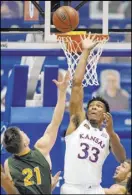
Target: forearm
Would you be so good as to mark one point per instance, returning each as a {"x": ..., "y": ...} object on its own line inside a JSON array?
[
  {"x": 117, "y": 148},
  {"x": 81, "y": 67},
  {"x": 47, "y": 141},
  {"x": 59, "y": 109}
]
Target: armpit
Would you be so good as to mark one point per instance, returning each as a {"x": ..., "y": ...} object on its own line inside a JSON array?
[{"x": 76, "y": 120}]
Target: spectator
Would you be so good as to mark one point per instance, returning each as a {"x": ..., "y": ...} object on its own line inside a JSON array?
[
  {"x": 11, "y": 9},
  {"x": 96, "y": 8},
  {"x": 121, "y": 177},
  {"x": 110, "y": 90}
]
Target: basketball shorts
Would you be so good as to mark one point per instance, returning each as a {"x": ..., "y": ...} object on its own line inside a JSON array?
[{"x": 81, "y": 189}]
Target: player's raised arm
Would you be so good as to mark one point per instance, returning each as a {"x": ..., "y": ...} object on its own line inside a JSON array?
[
  {"x": 46, "y": 142},
  {"x": 77, "y": 113},
  {"x": 117, "y": 148},
  {"x": 76, "y": 100}
]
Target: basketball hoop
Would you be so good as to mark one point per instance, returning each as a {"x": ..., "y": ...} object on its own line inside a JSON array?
[{"x": 72, "y": 47}]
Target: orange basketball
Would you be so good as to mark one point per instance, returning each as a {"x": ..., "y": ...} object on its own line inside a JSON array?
[{"x": 65, "y": 19}]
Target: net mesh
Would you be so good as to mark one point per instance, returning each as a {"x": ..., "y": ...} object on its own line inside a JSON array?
[{"x": 73, "y": 49}]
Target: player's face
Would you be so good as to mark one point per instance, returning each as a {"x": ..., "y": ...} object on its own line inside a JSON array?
[
  {"x": 122, "y": 171},
  {"x": 25, "y": 138},
  {"x": 96, "y": 110}
]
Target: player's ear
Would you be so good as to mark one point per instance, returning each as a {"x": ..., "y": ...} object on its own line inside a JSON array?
[{"x": 25, "y": 143}]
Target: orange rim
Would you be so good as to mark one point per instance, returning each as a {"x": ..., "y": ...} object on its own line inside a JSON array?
[{"x": 77, "y": 40}]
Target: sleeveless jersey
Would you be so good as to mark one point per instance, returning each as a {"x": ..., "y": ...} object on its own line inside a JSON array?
[
  {"x": 86, "y": 151},
  {"x": 30, "y": 173}
]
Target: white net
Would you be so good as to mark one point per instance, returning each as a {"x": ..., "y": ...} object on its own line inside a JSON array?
[{"x": 73, "y": 50}]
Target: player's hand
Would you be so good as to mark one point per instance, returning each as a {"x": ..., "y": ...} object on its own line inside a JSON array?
[
  {"x": 4, "y": 177},
  {"x": 55, "y": 180},
  {"x": 108, "y": 123},
  {"x": 62, "y": 85},
  {"x": 89, "y": 42}
]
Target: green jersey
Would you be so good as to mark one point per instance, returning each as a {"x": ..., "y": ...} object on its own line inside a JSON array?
[{"x": 30, "y": 173}]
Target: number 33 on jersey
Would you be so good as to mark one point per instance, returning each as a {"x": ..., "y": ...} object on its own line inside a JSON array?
[{"x": 86, "y": 151}]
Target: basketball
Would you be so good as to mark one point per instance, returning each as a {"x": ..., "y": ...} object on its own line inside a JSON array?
[{"x": 65, "y": 19}]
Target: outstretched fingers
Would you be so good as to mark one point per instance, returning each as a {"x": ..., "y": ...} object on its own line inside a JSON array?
[
  {"x": 89, "y": 35},
  {"x": 67, "y": 76},
  {"x": 55, "y": 81}
]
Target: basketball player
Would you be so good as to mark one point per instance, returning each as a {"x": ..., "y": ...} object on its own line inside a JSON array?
[
  {"x": 9, "y": 187},
  {"x": 30, "y": 169},
  {"x": 121, "y": 176},
  {"x": 87, "y": 142},
  {"x": 122, "y": 172}
]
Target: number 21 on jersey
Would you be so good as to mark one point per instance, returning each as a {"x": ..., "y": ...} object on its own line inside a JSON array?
[{"x": 29, "y": 174}]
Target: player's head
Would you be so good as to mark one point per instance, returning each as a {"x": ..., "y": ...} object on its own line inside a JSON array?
[
  {"x": 15, "y": 140},
  {"x": 123, "y": 171},
  {"x": 96, "y": 108}
]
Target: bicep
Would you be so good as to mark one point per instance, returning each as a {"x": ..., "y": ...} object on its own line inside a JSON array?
[
  {"x": 47, "y": 141},
  {"x": 76, "y": 100},
  {"x": 43, "y": 144}
]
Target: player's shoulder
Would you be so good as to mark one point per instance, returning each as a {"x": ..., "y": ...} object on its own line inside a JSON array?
[
  {"x": 75, "y": 124},
  {"x": 37, "y": 153},
  {"x": 9, "y": 161}
]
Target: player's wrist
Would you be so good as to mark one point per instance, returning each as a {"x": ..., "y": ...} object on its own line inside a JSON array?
[
  {"x": 61, "y": 94},
  {"x": 62, "y": 91}
]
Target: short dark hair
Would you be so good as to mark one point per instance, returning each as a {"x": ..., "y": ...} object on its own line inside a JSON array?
[
  {"x": 100, "y": 99},
  {"x": 128, "y": 185},
  {"x": 12, "y": 140},
  {"x": 128, "y": 160}
]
